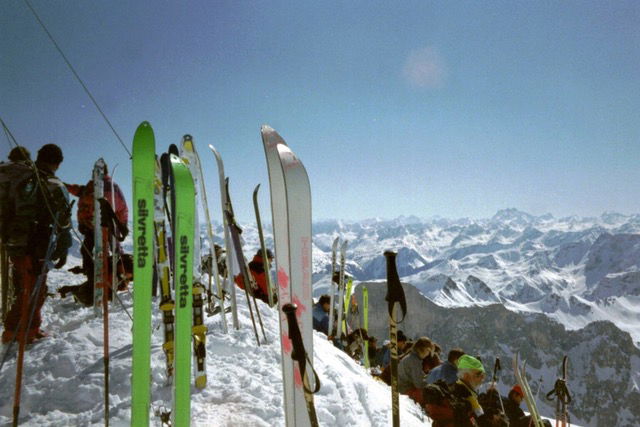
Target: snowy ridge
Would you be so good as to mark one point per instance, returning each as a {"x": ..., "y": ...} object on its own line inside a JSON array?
[{"x": 63, "y": 374}]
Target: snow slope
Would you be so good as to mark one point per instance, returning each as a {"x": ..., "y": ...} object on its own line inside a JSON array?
[{"x": 63, "y": 374}]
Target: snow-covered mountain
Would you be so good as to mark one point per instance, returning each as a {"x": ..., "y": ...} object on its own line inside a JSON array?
[{"x": 574, "y": 270}]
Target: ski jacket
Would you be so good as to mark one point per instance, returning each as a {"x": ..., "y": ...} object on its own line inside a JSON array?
[
  {"x": 447, "y": 372},
  {"x": 84, "y": 193},
  {"x": 31, "y": 199},
  {"x": 256, "y": 267},
  {"x": 320, "y": 319},
  {"x": 516, "y": 415},
  {"x": 410, "y": 373}
]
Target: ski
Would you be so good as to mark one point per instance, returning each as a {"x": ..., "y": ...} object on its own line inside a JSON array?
[
  {"x": 183, "y": 213},
  {"x": 521, "y": 379},
  {"x": 346, "y": 311},
  {"x": 99, "y": 248},
  {"x": 341, "y": 289},
  {"x": 263, "y": 248},
  {"x": 334, "y": 250},
  {"x": 291, "y": 217},
  {"x": 167, "y": 304},
  {"x": 190, "y": 158},
  {"x": 228, "y": 279},
  {"x": 396, "y": 300},
  {"x": 236, "y": 244},
  {"x": 213, "y": 273},
  {"x": 100, "y": 262},
  {"x": 143, "y": 172}
]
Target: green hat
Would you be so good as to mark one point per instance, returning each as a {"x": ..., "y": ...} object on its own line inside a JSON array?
[{"x": 469, "y": 362}]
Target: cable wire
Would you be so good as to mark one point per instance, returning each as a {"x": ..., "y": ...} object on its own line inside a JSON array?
[{"x": 104, "y": 116}]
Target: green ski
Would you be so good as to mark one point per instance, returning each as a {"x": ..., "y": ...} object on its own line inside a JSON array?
[
  {"x": 143, "y": 171},
  {"x": 183, "y": 213}
]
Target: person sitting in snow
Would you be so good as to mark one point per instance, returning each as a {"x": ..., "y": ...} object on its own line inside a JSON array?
[
  {"x": 321, "y": 314},
  {"x": 432, "y": 360},
  {"x": 471, "y": 374},
  {"x": 402, "y": 349},
  {"x": 448, "y": 371},
  {"x": 256, "y": 267},
  {"x": 411, "y": 376},
  {"x": 512, "y": 402}
]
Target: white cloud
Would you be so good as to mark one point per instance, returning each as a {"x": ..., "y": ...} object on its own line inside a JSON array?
[{"x": 425, "y": 68}]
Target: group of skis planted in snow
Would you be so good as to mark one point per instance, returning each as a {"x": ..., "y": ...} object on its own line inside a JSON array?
[{"x": 166, "y": 237}]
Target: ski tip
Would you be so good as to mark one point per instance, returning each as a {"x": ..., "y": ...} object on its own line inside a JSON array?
[
  {"x": 187, "y": 137},
  {"x": 255, "y": 190},
  {"x": 266, "y": 129}
]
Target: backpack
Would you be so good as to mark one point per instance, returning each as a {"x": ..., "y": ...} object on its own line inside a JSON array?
[{"x": 34, "y": 201}]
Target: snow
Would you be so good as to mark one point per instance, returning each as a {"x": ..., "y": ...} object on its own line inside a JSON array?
[{"x": 63, "y": 374}]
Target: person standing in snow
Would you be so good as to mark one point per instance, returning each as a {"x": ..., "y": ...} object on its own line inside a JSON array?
[
  {"x": 321, "y": 314},
  {"x": 34, "y": 203},
  {"x": 448, "y": 371},
  {"x": 256, "y": 267},
  {"x": 85, "y": 214}
]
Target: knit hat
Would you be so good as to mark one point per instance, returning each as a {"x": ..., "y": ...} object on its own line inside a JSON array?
[
  {"x": 517, "y": 389},
  {"x": 470, "y": 362}
]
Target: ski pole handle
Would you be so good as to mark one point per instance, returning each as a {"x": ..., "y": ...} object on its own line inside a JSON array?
[
  {"x": 395, "y": 293},
  {"x": 299, "y": 354}
]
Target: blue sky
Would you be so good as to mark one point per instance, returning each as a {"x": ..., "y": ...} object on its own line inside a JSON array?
[{"x": 413, "y": 108}]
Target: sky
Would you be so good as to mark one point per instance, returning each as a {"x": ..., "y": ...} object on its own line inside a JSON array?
[{"x": 455, "y": 109}]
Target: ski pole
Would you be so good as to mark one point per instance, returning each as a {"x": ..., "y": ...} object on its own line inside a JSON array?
[
  {"x": 396, "y": 300},
  {"x": 494, "y": 380},
  {"x": 299, "y": 354}
]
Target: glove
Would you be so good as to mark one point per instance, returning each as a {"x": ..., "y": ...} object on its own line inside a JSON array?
[
  {"x": 109, "y": 219},
  {"x": 62, "y": 247}
]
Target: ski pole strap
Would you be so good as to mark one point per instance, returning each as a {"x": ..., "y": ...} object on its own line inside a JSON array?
[
  {"x": 561, "y": 391},
  {"x": 395, "y": 293},
  {"x": 299, "y": 354}
]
